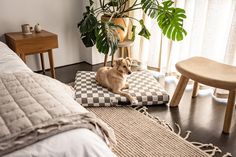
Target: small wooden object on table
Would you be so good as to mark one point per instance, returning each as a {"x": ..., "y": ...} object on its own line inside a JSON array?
[
  {"x": 211, "y": 73},
  {"x": 122, "y": 46},
  {"x": 35, "y": 43}
]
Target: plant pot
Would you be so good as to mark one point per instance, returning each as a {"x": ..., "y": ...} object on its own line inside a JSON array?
[{"x": 122, "y": 21}]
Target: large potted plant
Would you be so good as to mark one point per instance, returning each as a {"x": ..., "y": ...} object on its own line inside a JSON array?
[{"x": 102, "y": 26}]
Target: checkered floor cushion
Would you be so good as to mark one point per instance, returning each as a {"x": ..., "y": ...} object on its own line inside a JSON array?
[{"x": 142, "y": 85}]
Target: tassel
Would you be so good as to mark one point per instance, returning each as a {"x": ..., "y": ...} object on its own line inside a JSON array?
[
  {"x": 187, "y": 134},
  {"x": 201, "y": 145},
  {"x": 169, "y": 127},
  {"x": 179, "y": 129},
  {"x": 227, "y": 155},
  {"x": 213, "y": 151}
]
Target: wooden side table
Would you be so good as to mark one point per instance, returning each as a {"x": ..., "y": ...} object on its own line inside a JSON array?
[
  {"x": 121, "y": 45},
  {"x": 36, "y": 43}
]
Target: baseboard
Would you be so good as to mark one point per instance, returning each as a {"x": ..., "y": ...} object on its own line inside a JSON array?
[
  {"x": 48, "y": 69},
  {"x": 97, "y": 63}
]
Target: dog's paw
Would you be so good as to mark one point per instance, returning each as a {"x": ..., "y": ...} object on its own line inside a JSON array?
[
  {"x": 126, "y": 86},
  {"x": 134, "y": 102}
]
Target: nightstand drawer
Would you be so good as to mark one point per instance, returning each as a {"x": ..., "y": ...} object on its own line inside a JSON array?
[{"x": 28, "y": 46}]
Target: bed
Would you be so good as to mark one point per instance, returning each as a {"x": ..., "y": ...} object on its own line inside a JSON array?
[{"x": 76, "y": 142}]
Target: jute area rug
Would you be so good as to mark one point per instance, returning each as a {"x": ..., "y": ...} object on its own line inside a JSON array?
[{"x": 141, "y": 136}]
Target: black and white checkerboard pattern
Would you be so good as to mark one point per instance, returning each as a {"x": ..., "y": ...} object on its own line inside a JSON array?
[{"x": 142, "y": 85}]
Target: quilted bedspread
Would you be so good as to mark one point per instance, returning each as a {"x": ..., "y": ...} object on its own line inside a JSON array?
[{"x": 33, "y": 107}]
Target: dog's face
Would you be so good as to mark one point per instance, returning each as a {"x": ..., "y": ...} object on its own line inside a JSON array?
[{"x": 123, "y": 65}]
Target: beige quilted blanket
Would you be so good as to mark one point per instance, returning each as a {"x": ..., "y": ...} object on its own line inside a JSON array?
[{"x": 33, "y": 107}]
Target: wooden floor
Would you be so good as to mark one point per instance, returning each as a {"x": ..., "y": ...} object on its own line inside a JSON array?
[{"x": 202, "y": 115}]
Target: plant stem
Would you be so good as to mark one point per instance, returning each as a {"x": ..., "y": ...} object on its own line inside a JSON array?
[
  {"x": 131, "y": 9},
  {"x": 112, "y": 16},
  {"x": 103, "y": 3},
  {"x": 97, "y": 10},
  {"x": 100, "y": 1},
  {"x": 124, "y": 6},
  {"x": 113, "y": 8},
  {"x": 133, "y": 18},
  {"x": 99, "y": 13},
  {"x": 135, "y": 4},
  {"x": 121, "y": 4}
]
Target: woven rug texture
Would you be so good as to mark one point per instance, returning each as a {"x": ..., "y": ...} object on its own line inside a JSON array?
[{"x": 140, "y": 136}]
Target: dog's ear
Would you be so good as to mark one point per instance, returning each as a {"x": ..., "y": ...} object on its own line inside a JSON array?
[
  {"x": 118, "y": 62},
  {"x": 128, "y": 59}
]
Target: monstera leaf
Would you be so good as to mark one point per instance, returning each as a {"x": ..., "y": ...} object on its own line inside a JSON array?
[
  {"x": 133, "y": 30},
  {"x": 150, "y": 7},
  {"x": 169, "y": 19},
  {"x": 88, "y": 24},
  {"x": 91, "y": 2},
  {"x": 144, "y": 31},
  {"x": 89, "y": 38},
  {"x": 107, "y": 37}
]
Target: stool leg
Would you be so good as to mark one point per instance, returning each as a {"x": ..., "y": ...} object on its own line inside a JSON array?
[
  {"x": 105, "y": 60},
  {"x": 179, "y": 91},
  {"x": 195, "y": 89},
  {"x": 229, "y": 112},
  {"x": 129, "y": 51},
  {"x": 122, "y": 53}
]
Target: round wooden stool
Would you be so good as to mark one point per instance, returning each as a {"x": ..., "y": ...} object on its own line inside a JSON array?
[
  {"x": 211, "y": 73},
  {"x": 121, "y": 46}
]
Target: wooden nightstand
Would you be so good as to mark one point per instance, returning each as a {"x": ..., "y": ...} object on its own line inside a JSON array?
[{"x": 36, "y": 43}]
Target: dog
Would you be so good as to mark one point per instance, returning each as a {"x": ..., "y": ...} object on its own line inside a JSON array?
[{"x": 114, "y": 78}]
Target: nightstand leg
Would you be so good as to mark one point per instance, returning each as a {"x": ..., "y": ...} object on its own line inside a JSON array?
[
  {"x": 129, "y": 51},
  {"x": 22, "y": 56},
  {"x": 50, "y": 56},
  {"x": 122, "y": 52},
  {"x": 42, "y": 62}
]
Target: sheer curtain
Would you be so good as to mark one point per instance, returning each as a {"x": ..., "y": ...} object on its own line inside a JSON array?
[{"x": 211, "y": 27}]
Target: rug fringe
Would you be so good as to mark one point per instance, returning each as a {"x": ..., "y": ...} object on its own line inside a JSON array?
[
  {"x": 227, "y": 155},
  {"x": 208, "y": 148},
  {"x": 188, "y": 133}
]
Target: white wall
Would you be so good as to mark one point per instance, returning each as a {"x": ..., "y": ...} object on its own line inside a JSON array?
[{"x": 58, "y": 16}]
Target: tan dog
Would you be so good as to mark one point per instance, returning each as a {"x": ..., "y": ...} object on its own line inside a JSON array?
[{"x": 114, "y": 78}]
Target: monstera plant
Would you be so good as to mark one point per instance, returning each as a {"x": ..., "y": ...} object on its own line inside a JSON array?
[{"x": 99, "y": 28}]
